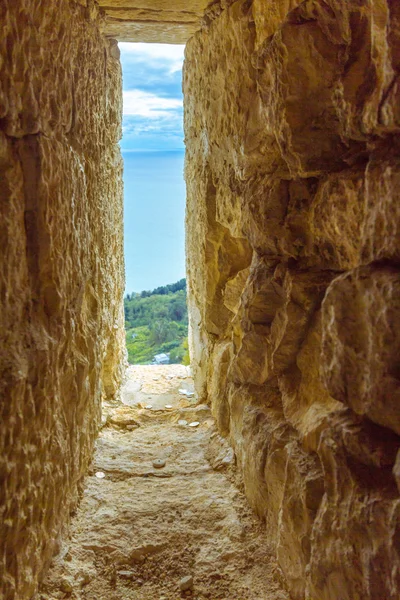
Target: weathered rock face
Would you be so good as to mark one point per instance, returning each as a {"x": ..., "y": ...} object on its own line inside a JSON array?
[
  {"x": 61, "y": 275},
  {"x": 292, "y": 126}
]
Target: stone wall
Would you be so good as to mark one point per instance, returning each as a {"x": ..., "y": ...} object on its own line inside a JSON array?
[
  {"x": 61, "y": 268},
  {"x": 292, "y": 126}
]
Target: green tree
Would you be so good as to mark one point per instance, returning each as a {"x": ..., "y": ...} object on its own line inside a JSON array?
[{"x": 157, "y": 323}]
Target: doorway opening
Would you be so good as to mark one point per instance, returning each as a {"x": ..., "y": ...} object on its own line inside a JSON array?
[{"x": 156, "y": 321}]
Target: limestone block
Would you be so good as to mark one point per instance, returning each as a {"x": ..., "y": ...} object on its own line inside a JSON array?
[
  {"x": 354, "y": 540},
  {"x": 218, "y": 391},
  {"x": 259, "y": 437},
  {"x": 326, "y": 73},
  {"x": 380, "y": 231},
  {"x": 267, "y": 19},
  {"x": 334, "y": 222},
  {"x": 168, "y": 21},
  {"x": 274, "y": 315},
  {"x": 361, "y": 343},
  {"x": 307, "y": 404},
  {"x": 301, "y": 497},
  {"x": 284, "y": 484},
  {"x": 353, "y": 217},
  {"x": 234, "y": 289}
]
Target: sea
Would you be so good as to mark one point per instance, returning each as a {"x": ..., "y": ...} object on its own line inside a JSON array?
[{"x": 154, "y": 215}]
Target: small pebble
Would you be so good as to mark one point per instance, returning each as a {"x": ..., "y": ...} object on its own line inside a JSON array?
[
  {"x": 66, "y": 586},
  {"x": 194, "y": 424},
  {"x": 100, "y": 475},
  {"x": 159, "y": 463},
  {"x": 126, "y": 574},
  {"x": 149, "y": 406},
  {"x": 182, "y": 422},
  {"x": 186, "y": 583},
  {"x": 84, "y": 578},
  {"x": 168, "y": 406}
]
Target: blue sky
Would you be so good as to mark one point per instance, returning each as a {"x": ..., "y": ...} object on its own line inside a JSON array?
[
  {"x": 152, "y": 147},
  {"x": 152, "y": 84}
]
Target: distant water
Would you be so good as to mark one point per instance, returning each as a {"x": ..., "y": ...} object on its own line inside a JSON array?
[{"x": 154, "y": 218}]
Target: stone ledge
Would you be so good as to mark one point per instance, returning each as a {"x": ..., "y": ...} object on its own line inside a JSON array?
[{"x": 163, "y": 21}]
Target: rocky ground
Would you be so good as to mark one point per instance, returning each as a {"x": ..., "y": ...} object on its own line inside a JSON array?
[{"x": 161, "y": 517}]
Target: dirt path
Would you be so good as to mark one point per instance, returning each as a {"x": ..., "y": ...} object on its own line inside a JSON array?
[{"x": 140, "y": 529}]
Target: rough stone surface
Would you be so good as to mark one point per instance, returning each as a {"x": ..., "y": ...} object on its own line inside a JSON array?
[
  {"x": 167, "y": 21},
  {"x": 144, "y": 534},
  {"x": 186, "y": 583},
  {"x": 61, "y": 269},
  {"x": 292, "y": 127}
]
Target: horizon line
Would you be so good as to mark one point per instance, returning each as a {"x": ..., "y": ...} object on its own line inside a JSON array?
[{"x": 152, "y": 149}]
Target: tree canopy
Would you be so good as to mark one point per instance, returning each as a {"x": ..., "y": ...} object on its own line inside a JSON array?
[{"x": 156, "y": 322}]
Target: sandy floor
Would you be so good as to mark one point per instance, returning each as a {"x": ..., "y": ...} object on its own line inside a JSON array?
[{"x": 142, "y": 527}]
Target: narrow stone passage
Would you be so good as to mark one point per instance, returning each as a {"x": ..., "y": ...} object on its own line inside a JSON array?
[{"x": 147, "y": 531}]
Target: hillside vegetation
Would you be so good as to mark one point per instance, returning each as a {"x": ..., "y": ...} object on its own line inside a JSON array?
[{"x": 156, "y": 322}]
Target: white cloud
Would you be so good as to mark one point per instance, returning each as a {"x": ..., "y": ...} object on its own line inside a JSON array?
[
  {"x": 165, "y": 55},
  {"x": 148, "y": 105},
  {"x": 152, "y": 95}
]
